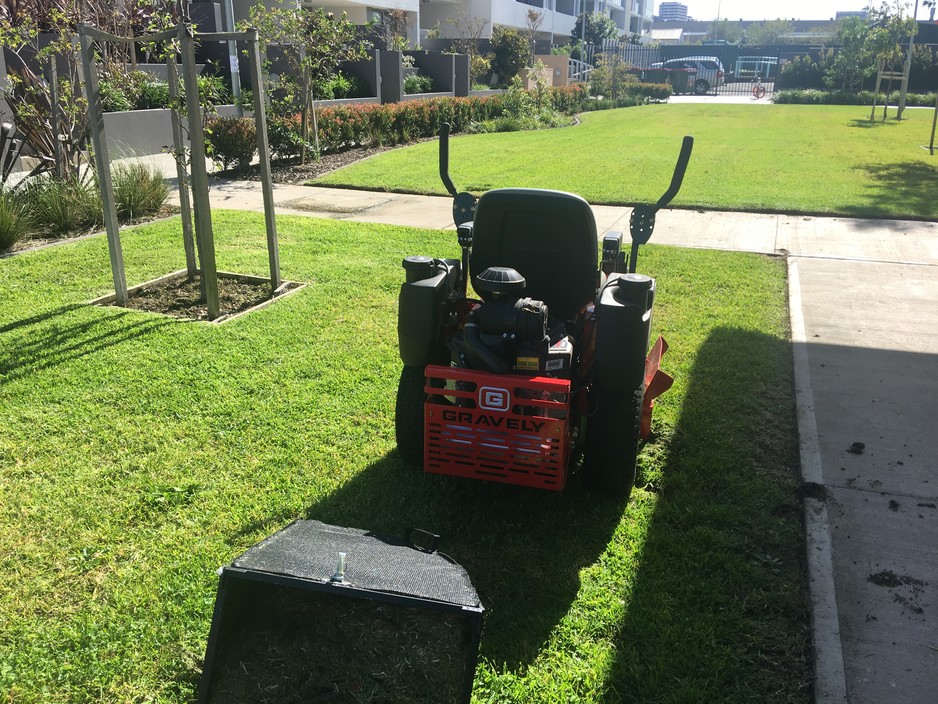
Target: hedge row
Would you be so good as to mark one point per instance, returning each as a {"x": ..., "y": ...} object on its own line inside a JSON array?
[
  {"x": 865, "y": 97},
  {"x": 397, "y": 123}
]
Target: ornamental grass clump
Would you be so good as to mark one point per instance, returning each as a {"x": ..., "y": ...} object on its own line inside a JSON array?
[
  {"x": 63, "y": 206},
  {"x": 139, "y": 191},
  {"x": 15, "y": 222}
]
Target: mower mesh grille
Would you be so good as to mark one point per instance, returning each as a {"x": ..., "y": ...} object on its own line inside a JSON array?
[
  {"x": 497, "y": 427},
  {"x": 309, "y": 550}
]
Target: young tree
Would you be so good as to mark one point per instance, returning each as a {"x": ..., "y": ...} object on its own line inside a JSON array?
[
  {"x": 724, "y": 30},
  {"x": 395, "y": 26},
  {"x": 768, "y": 32},
  {"x": 315, "y": 44},
  {"x": 598, "y": 27},
  {"x": 42, "y": 88},
  {"x": 869, "y": 46},
  {"x": 532, "y": 24},
  {"x": 469, "y": 29},
  {"x": 509, "y": 53}
]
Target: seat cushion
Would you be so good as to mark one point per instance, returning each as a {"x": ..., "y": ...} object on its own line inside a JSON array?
[{"x": 549, "y": 237}]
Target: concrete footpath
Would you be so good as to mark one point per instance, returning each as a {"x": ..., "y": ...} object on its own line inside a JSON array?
[{"x": 865, "y": 343}]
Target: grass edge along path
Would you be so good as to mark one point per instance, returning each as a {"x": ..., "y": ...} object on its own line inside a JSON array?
[
  {"x": 139, "y": 454},
  {"x": 821, "y": 160}
]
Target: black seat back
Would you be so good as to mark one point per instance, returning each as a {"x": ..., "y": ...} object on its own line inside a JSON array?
[{"x": 549, "y": 237}]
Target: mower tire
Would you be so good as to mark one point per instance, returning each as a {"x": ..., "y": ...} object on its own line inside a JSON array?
[
  {"x": 612, "y": 434},
  {"x": 408, "y": 414}
]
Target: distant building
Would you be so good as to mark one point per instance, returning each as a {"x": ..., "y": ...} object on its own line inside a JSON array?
[
  {"x": 672, "y": 12},
  {"x": 862, "y": 14}
]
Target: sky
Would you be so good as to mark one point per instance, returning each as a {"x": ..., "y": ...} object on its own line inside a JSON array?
[{"x": 772, "y": 9}]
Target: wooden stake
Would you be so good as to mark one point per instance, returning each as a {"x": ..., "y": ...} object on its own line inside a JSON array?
[
  {"x": 103, "y": 167},
  {"x": 263, "y": 152},
  {"x": 182, "y": 175},
  {"x": 205, "y": 239}
]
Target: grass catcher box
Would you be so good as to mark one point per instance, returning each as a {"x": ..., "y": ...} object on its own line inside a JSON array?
[{"x": 321, "y": 613}]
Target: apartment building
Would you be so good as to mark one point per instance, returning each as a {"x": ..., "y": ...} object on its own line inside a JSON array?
[
  {"x": 672, "y": 12},
  {"x": 445, "y": 16}
]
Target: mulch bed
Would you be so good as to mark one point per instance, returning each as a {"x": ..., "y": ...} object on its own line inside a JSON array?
[{"x": 181, "y": 298}]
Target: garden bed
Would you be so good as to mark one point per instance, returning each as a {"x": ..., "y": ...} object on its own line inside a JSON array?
[{"x": 177, "y": 296}]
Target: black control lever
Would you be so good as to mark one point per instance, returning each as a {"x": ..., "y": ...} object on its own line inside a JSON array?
[
  {"x": 444, "y": 160},
  {"x": 464, "y": 204},
  {"x": 642, "y": 220}
]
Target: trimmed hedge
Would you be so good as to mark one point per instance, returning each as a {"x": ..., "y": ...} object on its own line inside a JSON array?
[
  {"x": 864, "y": 97},
  {"x": 354, "y": 125}
]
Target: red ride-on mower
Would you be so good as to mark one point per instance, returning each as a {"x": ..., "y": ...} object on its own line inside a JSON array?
[{"x": 551, "y": 357}]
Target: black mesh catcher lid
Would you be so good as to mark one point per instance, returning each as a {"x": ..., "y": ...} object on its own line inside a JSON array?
[{"x": 310, "y": 550}]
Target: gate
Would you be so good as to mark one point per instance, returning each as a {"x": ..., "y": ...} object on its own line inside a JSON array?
[{"x": 748, "y": 72}]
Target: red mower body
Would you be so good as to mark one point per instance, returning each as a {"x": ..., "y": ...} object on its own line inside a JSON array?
[{"x": 497, "y": 427}]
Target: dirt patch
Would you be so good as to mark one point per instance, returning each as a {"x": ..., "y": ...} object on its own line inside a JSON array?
[
  {"x": 888, "y": 578},
  {"x": 181, "y": 298}
]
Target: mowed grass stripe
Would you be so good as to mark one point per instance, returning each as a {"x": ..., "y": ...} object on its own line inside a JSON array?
[{"x": 825, "y": 160}]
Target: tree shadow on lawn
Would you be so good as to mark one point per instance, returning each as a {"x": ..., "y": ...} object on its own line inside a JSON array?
[
  {"x": 896, "y": 188},
  {"x": 718, "y": 609},
  {"x": 63, "y": 338}
]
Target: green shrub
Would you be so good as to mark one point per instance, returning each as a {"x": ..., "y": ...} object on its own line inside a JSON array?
[
  {"x": 139, "y": 190},
  {"x": 284, "y": 137},
  {"x": 232, "y": 140},
  {"x": 863, "y": 97},
  {"x": 15, "y": 222},
  {"x": 800, "y": 73},
  {"x": 151, "y": 95},
  {"x": 114, "y": 96},
  {"x": 610, "y": 76},
  {"x": 62, "y": 207},
  {"x": 650, "y": 91},
  {"x": 510, "y": 51},
  {"x": 416, "y": 83},
  {"x": 570, "y": 99}
]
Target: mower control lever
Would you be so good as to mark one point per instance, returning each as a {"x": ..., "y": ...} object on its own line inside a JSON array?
[
  {"x": 683, "y": 158},
  {"x": 642, "y": 219},
  {"x": 444, "y": 160}
]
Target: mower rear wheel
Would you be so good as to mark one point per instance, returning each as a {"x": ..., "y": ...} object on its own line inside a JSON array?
[
  {"x": 408, "y": 414},
  {"x": 612, "y": 433}
]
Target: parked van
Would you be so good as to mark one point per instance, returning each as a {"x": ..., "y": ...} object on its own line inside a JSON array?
[{"x": 710, "y": 73}]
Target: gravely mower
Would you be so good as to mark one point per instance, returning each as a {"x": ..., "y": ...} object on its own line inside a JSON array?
[{"x": 549, "y": 363}]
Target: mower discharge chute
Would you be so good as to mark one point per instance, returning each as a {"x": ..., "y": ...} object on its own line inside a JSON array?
[{"x": 550, "y": 359}]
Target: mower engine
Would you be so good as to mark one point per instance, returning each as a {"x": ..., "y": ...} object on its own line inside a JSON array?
[{"x": 509, "y": 333}]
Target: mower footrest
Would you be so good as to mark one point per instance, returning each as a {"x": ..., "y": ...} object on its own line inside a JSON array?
[{"x": 497, "y": 427}]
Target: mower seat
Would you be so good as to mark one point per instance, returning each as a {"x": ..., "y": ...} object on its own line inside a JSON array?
[{"x": 549, "y": 237}]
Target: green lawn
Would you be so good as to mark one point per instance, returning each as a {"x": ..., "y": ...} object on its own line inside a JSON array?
[
  {"x": 138, "y": 454},
  {"x": 766, "y": 158}
]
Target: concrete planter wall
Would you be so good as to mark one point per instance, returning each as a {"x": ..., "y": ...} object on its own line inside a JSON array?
[{"x": 144, "y": 132}]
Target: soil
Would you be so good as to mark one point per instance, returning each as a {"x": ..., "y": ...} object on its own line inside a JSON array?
[{"x": 180, "y": 298}]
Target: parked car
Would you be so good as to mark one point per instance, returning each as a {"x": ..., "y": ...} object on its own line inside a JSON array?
[{"x": 710, "y": 73}]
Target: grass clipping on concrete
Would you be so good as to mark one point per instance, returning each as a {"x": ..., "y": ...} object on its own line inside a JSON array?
[{"x": 139, "y": 453}]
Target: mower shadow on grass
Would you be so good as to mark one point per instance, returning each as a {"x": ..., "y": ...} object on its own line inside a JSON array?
[
  {"x": 523, "y": 548},
  {"x": 718, "y": 609}
]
